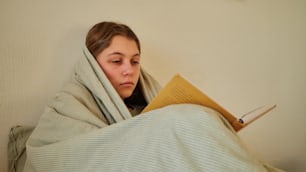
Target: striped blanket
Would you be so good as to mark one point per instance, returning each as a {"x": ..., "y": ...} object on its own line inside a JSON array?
[{"x": 88, "y": 128}]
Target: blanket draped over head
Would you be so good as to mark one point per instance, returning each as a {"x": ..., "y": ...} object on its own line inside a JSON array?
[{"x": 88, "y": 128}]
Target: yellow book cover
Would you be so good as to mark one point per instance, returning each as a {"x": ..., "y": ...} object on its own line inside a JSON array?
[{"x": 178, "y": 90}]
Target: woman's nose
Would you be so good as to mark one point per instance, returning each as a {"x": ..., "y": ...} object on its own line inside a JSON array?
[{"x": 127, "y": 69}]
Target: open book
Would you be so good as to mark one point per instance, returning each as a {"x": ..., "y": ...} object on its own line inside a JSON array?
[{"x": 179, "y": 90}]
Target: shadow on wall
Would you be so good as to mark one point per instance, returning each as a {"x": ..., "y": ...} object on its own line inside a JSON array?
[{"x": 293, "y": 165}]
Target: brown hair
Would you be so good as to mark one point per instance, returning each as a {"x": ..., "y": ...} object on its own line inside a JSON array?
[{"x": 100, "y": 36}]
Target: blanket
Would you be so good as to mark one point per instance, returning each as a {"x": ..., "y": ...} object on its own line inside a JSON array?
[{"x": 88, "y": 128}]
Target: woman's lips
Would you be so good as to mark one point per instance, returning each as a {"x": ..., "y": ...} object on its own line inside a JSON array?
[{"x": 127, "y": 84}]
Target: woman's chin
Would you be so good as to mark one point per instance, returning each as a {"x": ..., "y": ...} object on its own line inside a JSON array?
[{"x": 125, "y": 95}]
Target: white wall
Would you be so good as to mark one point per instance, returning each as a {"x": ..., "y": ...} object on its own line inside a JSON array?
[{"x": 243, "y": 53}]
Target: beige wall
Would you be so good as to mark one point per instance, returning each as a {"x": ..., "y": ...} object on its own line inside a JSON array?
[{"x": 244, "y": 53}]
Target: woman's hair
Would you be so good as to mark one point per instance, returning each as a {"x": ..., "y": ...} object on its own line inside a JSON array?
[{"x": 100, "y": 36}]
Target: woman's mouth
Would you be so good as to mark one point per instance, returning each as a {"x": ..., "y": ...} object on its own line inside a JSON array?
[{"x": 127, "y": 84}]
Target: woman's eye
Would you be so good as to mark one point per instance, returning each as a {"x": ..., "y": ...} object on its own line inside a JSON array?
[
  {"x": 135, "y": 62},
  {"x": 116, "y": 61}
]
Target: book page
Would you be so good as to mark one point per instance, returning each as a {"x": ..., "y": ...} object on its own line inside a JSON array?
[
  {"x": 179, "y": 90},
  {"x": 256, "y": 113}
]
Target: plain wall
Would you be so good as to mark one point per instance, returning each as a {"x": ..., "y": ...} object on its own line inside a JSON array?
[{"x": 243, "y": 53}]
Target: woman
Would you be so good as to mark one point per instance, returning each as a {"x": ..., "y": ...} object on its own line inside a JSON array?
[{"x": 109, "y": 87}]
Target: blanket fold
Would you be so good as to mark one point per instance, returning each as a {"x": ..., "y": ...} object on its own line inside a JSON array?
[{"x": 87, "y": 102}]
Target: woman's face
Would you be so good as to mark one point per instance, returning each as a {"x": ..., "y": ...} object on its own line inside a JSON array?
[{"x": 121, "y": 64}]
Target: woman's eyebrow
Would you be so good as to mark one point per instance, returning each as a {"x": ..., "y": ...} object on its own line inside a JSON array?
[
  {"x": 121, "y": 54},
  {"x": 136, "y": 55},
  {"x": 115, "y": 53}
]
